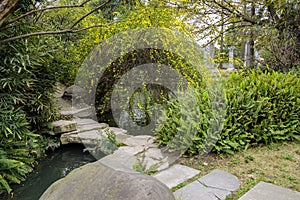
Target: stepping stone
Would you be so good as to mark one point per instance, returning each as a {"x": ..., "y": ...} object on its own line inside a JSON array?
[
  {"x": 158, "y": 164},
  {"x": 216, "y": 185},
  {"x": 152, "y": 157},
  {"x": 84, "y": 121},
  {"x": 78, "y": 112},
  {"x": 121, "y": 137},
  {"x": 221, "y": 180},
  {"x": 71, "y": 137},
  {"x": 120, "y": 162},
  {"x": 197, "y": 191},
  {"x": 90, "y": 137},
  {"x": 89, "y": 127},
  {"x": 63, "y": 126},
  {"x": 118, "y": 131},
  {"x": 175, "y": 175},
  {"x": 268, "y": 191},
  {"x": 154, "y": 153},
  {"x": 130, "y": 150},
  {"x": 140, "y": 140},
  {"x": 194, "y": 191},
  {"x": 87, "y": 138}
]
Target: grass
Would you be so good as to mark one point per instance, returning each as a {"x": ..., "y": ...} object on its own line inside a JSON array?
[{"x": 276, "y": 163}]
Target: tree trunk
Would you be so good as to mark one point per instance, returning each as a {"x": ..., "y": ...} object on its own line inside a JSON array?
[
  {"x": 222, "y": 41},
  {"x": 6, "y": 7},
  {"x": 244, "y": 38},
  {"x": 251, "y": 42}
]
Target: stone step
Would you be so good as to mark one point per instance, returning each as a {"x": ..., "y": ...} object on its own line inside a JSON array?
[
  {"x": 148, "y": 157},
  {"x": 175, "y": 175},
  {"x": 91, "y": 137},
  {"x": 78, "y": 112},
  {"x": 118, "y": 131},
  {"x": 89, "y": 127},
  {"x": 221, "y": 180},
  {"x": 153, "y": 157},
  {"x": 84, "y": 121},
  {"x": 139, "y": 140},
  {"x": 268, "y": 191},
  {"x": 195, "y": 191},
  {"x": 87, "y": 131},
  {"x": 120, "y": 161},
  {"x": 70, "y": 138},
  {"x": 63, "y": 126},
  {"x": 216, "y": 185}
]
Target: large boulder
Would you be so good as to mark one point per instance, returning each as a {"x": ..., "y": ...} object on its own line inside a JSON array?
[
  {"x": 74, "y": 91},
  {"x": 96, "y": 181}
]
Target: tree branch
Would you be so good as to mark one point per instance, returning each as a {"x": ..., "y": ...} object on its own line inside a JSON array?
[
  {"x": 87, "y": 14},
  {"x": 55, "y": 32},
  {"x": 47, "y": 8},
  {"x": 228, "y": 30},
  {"x": 236, "y": 12}
]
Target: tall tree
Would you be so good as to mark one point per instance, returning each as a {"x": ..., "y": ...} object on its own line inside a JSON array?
[{"x": 274, "y": 25}]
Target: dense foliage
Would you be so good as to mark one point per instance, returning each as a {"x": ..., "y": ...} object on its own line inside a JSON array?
[
  {"x": 49, "y": 45},
  {"x": 27, "y": 81},
  {"x": 268, "y": 26},
  {"x": 262, "y": 108}
]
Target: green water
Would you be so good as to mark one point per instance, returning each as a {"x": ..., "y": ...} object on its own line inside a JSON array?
[{"x": 53, "y": 167}]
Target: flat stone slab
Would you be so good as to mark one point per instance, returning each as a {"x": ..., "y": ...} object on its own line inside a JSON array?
[
  {"x": 139, "y": 140},
  {"x": 118, "y": 131},
  {"x": 78, "y": 112},
  {"x": 130, "y": 150},
  {"x": 120, "y": 162},
  {"x": 63, "y": 126},
  {"x": 154, "y": 153},
  {"x": 154, "y": 157},
  {"x": 87, "y": 138},
  {"x": 90, "y": 135},
  {"x": 216, "y": 185},
  {"x": 158, "y": 165},
  {"x": 175, "y": 175},
  {"x": 220, "y": 194},
  {"x": 197, "y": 191},
  {"x": 89, "y": 127},
  {"x": 194, "y": 191},
  {"x": 84, "y": 121},
  {"x": 221, "y": 180},
  {"x": 71, "y": 137},
  {"x": 121, "y": 137},
  {"x": 268, "y": 191}
]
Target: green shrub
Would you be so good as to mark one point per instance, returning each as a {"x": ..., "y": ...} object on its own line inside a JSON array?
[
  {"x": 261, "y": 108},
  {"x": 179, "y": 122},
  {"x": 27, "y": 84},
  {"x": 18, "y": 147}
]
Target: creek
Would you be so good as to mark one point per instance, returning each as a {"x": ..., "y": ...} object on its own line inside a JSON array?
[{"x": 54, "y": 166}]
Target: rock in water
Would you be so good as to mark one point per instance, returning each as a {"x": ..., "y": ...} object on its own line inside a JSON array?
[{"x": 96, "y": 181}]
